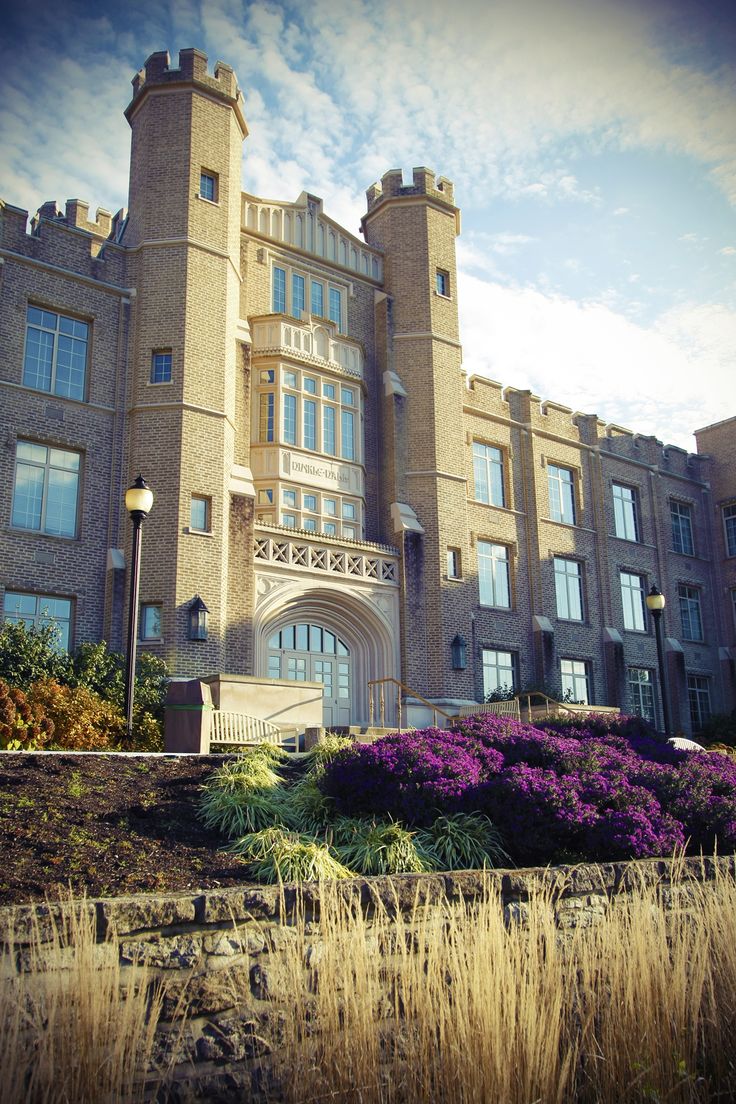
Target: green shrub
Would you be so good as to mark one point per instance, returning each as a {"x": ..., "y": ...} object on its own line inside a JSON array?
[
  {"x": 306, "y": 807},
  {"x": 291, "y": 858},
  {"x": 238, "y": 810},
  {"x": 378, "y": 847},
  {"x": 31, "y": 655},
  {"x": 250, "y": 769},
  {"x": 24, "y": 726},
  {"x": 325, "y": 751},
  {"x": 464, "y": 841}
]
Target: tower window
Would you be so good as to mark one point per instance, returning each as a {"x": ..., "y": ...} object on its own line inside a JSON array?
[
  {"x": 443, "y": 283},
  {"x": 208, "y": 186},
  {"x": 161, "y": 366}
]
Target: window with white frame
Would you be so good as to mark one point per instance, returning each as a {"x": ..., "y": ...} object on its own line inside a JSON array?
[
  {"x": 488, "y": 474},
  {"x": 499, "y": 671},
  {"x": 729, "y": 528},
  {"x": 312, "y": 511},
  {"x": 442, "y": 282},
  {"x": 493, "y": 575},
  {"x": 46, "y": 490},
  {"x": 150, "y": 621},
  {"x": 626, "y": 512},
  {"x": 36, "y": 611},
  {"x": 568, "y": 589},
  {"x": 690, "y": 614},
  {"x": 561, "y": 487},
  {"x": 316, "y": 414},
  {"x": 698, "y": 694},
  {"x": 681, "y": 516},
  {"x": 641, "y": 693},
  {"x": 55, "y": 357},
  {"x": 208, "y": 186},
  {"x": 161, "y": 366},
  {"x": 633, "y": 593},
  {"x": 295, "y": 293},
  {"x": 575, "y": 679}
]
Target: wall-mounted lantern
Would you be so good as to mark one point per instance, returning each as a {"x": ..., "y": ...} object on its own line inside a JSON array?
[
  {"x": 197, "y": 619},
  {"x": 459, "y": 653}
]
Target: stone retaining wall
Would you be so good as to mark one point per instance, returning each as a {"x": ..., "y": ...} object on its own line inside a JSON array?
[{"x": 223, "y": 949}]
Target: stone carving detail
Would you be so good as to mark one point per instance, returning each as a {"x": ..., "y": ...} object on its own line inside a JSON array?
[{"x": 300, "y": 553}]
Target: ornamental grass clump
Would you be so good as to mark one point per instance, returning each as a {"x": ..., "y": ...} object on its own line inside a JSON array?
[
  {"x": 294, "y": 858},
  {"x": 306, "y": 808},
  {"x": 242, "y": 796},
  {"x": 463, "y": 841},
  {"x": 378, "y": 847}
]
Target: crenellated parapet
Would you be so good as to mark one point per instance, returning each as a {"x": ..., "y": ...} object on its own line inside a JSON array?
[
  {"x": 191, "y": 70},
  {"x": 69, "y": 239},
  {"x": 424, "y": 183}
]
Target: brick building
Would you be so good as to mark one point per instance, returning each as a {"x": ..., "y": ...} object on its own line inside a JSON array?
[{"x": 345, "y": 501}]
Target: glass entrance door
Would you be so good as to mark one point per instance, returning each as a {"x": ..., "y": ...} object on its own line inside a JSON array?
[{"x": 309, "y": 653}]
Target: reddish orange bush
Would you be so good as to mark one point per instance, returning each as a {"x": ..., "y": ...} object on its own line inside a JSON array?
[
  {"x": 24, "y": 725},
  {"x": 82, "y": 720}
]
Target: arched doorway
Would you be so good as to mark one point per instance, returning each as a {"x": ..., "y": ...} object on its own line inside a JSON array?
[{"x": 304, "y": 652}]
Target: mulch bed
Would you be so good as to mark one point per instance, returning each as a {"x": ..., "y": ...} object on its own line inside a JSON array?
[{"x": 106, "y": 825}]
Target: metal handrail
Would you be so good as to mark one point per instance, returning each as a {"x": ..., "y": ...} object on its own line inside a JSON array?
[{"x": 400, "y": 687}]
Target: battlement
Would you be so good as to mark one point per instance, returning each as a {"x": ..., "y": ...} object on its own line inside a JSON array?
[
  {"x": 76, "y": 215},
  {"x": 424, "y": 182},
  {"x": 192, "y": 69}
]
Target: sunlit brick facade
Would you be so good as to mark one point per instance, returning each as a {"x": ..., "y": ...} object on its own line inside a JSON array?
[{"x": 344, "y": 500}]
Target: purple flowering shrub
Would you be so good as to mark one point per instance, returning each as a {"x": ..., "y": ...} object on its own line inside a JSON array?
[{"x": 608, "y": 790}]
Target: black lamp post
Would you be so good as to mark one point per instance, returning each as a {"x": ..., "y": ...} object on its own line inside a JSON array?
[
  {"x": 655, "y": 604},
  {"x": 138, "y": 502}
]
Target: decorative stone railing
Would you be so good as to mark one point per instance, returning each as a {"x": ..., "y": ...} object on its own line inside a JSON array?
[
  {"x": 310, "y": 341},
  {"x": 358, "y": 562}
]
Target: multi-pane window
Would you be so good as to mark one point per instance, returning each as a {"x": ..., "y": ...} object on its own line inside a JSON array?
[
  {"x": 488, "y": 474},
  {"x": 569, "y": 589},
  {"x": 328, "y": 430},
  {"x": 38, "y": 610},
  {"x": 493, "y": 575},
  {"x": 208, "y": 186},
  {"x": 347, "y": 449},
  {"x": 626, "y": 512},
  {"x": 46, "y": 491},
  {"x": 318, "y": 298},
  {"x": 442, "y": 282},
  {"x": 641, "y": 693},
  {"x": 690, "y": 615},
  {"x": 698, "y": 693},
  {"x": 199, "y": 514},
  {"x": 297, "y": 295},
  {"x": 313, "y": 414},
  {"x": 279, "y": 290},
  {"x": 632, "y": 598},
  {"x": 289, "y": 404},
  {"x": 150, "y": 622},
  {"x": 561, "y": 494},
  {"x": 498, "y": 671},
  {"x": 575, "y": 680},
  {"x": 729, "y": 528},
  {"x": 310, "y": 424},
  {"x": 266, "y": 406},
  {"x": 682, "y": 528},
  {"x": 336, "y": 307},
  {"x": 314, "y": 512},
  {"x": 161, "y": 366},
  {"x": 56, "y": 353}
]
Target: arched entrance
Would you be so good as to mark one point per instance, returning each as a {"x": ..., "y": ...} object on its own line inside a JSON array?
[
  {"x": 304, "y": 652},
  {"x": 296, "y": 630}
]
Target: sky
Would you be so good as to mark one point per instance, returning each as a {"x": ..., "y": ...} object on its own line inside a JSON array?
[{"x": 592, "y": 144}]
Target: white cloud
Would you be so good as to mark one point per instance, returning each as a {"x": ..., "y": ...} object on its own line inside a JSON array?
[
  {"x": 666, "y": 380},
  {"x": 727, "y": 251}
]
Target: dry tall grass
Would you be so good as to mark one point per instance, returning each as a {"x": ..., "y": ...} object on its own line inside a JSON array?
[
  {"x": 71, "y": 1030},
  {"x": 466, "y": 1010}
]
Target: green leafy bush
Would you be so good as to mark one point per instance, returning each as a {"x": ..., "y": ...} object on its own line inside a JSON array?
[
  {"x": 378, "y": 847},
  {"x": 31, "y": 655}
]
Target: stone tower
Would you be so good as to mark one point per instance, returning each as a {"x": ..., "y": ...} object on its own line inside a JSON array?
[
  {"x": 424, "y": 471},
  {"x": 187, "y": 394}
]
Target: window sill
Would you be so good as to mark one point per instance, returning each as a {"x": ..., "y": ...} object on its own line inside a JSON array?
[
  {"x": 210, "y": 202},
  {"x": 148, "y": 640},
  {"x": 453, "y": 578},
  {"x": 18, "y": 532},
  {"x": 439, "y": 295},
  {"x": 198, "y": 532}
]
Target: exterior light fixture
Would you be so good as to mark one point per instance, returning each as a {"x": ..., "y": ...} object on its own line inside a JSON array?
[
  {"x": 459, "y": 651},
  {"x": 655, "y": 604},
  {"x": 197, "y": 619},
  {"x": 138, "y": 502}
]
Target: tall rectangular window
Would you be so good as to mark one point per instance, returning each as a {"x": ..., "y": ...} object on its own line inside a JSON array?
[
  {"x": 442, "y": 282},
  {"x": 561, "y": 494},
  {"x": 310, "y": 424},
  {"x": 318, "y": 298},
  {"x": 641, "y": 693},
  {"x": 199, "y": 514},
  {"x": 729, "y": 528},
  {"x": 682, "y": 528},
  {"x": 46, "y": 491},
  {"x": 499, "y": 671},
  {"x": 347, "y": 442},
  {"x": 692, "y": 621},
  {"x": 208, "y": 186},
  {"x": 290, "y": 419},
  {"x": 265, "y": 417},
  {"x": 336, "y": 307},
  {"x": 632, "y": 598},
  {"x": 297, "y": 295},
  {"x": 488, "y": 472},
  {"x": 493, "y": 575},
  {"x": 698, "y": 693},
  {"x": 38, "y": 610},
  {"x": 575, "y": 679},
  {"x": 626, "y": 512},
  {"x": 328, "y": 430},
  {"x": 568, "y": 589},
  {"x": 161, "y": 366},
  {"x": 279, "y": 291},
  {"x": 56, "y": 353},
  {"x": 454, "y": 563},
  {"x": 150, "y": 622}
]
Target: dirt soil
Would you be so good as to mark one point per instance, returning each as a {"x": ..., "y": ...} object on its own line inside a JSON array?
[{"x": 106, "y": 825}]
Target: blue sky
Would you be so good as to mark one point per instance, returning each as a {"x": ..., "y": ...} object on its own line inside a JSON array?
[{"x": 592, "y": 144}]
